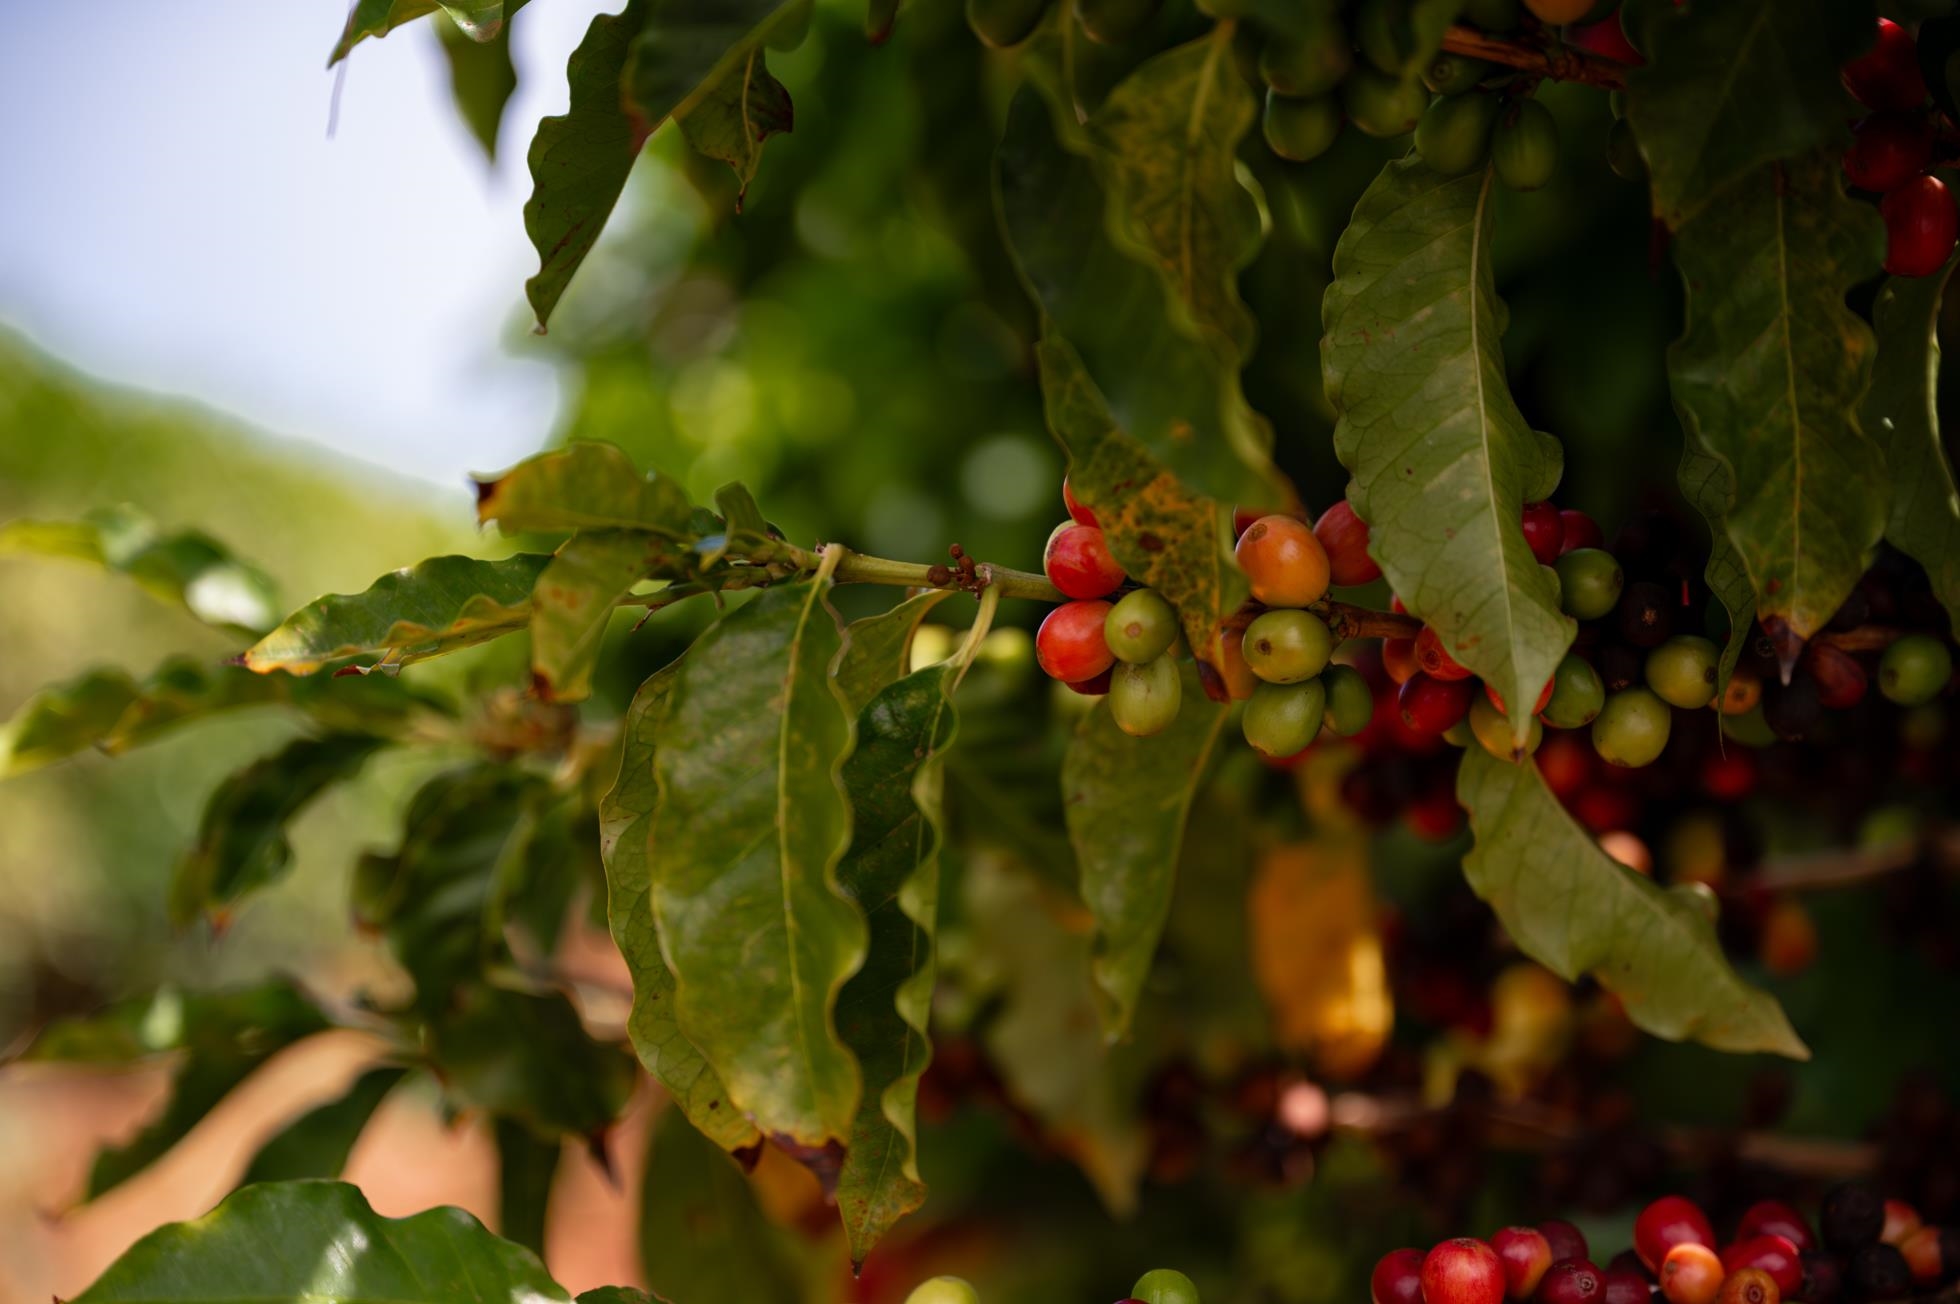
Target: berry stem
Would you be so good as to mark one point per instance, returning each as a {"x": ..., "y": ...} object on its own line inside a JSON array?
[{"x": 1547, "y": 57}]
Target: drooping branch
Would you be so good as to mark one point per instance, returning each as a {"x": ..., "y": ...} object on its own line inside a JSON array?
[{"x": 1544, "y": 56}]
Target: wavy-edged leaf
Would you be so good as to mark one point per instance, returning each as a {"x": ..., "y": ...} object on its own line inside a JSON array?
[
  {"x": 186, "y": 567},
  {"x": 1165, "y": 535},
  {"x": 688, "y": 47},
  {"x": 440, "y": 605},
  {"x": 1442, "y": 460},
  {"x": 703, "y": 1236},
  {"x": 1768, "y": 375},
  {"x": 481, "y": 80},
  {"x": 527, "y": 1058},
  {"x": 1178, "y": 397},
  {"x": 625, "y": 822},
  {"x": 1126, "y": 800},
  {"x": 878, "y": 649},
  {"x": 1729, "y": 87},
  {"x": 736, "y": 118},
  {"x": 63, "y": 719},
  {"x": 241, "y": 841},
  {"x": 586, "y": 485},
  {"x": 1706, "y": 483},
  {"x": 1576, "y": 910},
  {"x": 317, "y": 1143},
  {"x": 573, "y": 603},
  {"x": 1902, "y": 414},
  {"x": 479, "y": 20},
  {"x": 322, "y": 1243},
  {"x": 747, "y": 832}
]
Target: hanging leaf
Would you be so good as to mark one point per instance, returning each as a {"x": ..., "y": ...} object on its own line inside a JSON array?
[
  {"x": 687, "y": 47},
  {"x": 526, "y": 1165},
  {"x": 241, "y": 842},
  {"x": 63, "y": 719},
  {"x": 1768, "y": 374},
  {"x": 702, "y": 1234},
  {"x": 1730, "y": 87},
  {"x": 1126, "y": 801},
  {"x": 587, "y": 485},
  {"x": 1443, "y": 462},
  {"x": 321, "y": 1242},
  {"x": 481, "y": 80},
  {"x": 317, "y": 1143},
  {"x": 440, "y": 605},
  {"x": 574, "y": 602},
  {"x": 1577, "y": 911},
  {"x": 746, "y": 835},
  {"x": 1706, "y": 483},
  {"x": 479, "y": 20},
  {"x": 527, "y": 1059},
  {"x": 739, "y": 114},
  {"x": 1901, "y": 414}
]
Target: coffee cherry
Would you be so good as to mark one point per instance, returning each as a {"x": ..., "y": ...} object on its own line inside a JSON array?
[
  {"x": 1453, "y": 136},
  {"x": 1283, "y": 561},
  {"x": 1524, "y": 148},
  {"x": 1525, "y": 1255},
  {"x": 1431, "y": 706},
  {"x": 1775, "y": 1218},
  {"x": 1454, "y": 74},
  {"x": 1232, "y": 667},
  {"x": 1690, "y": 1273},
  {"x": 1792, "y": 710},
  {"x": 1888, "y": 150},
  {"x": 1749, "y": 1286},
  {"x": 1580, "y": 531},
  {"x": 1669, "y": 1221},
  {"x": 1682, "y": 671},
  {"x": 1312, "y": 63},
  {"x": 1823, "y": 1277},
  {"x": 1397, "y": 1278},
  {"x": 1497, "y": 699},
  {"x": 1589, "y": 583},
  {"x": 1921, "y": 225},
  {"x": 1625, "y": 1286},
  {"x": 1300, "y": 130},
  {"x": 1851, "y": 1217},
  {"x": 1287, "y": 646},
  {"x": 1350, "y": 702},
  {"x": 1544, "y": 532},
  {"x": 1901, "y": 1220},
  {"x": 944, "y": 1290},
  {"x": 1741, "y": 694},
  {"x": 1076, "y": 511},
  {"x": 1887, "y": 76},
  {"x": 1841, "y": 681},
  {"x": 1164, "y": 1286},
  {"x": 1577, "y": 694},
  {"x": 1915, "y": 669},
  {"x": 1631, "y": 730},
  {"x": 1492, "y": 729},
  {"x": 1070, "y": 644},
  {"x": 1399, "y": 659},
  {"x": 1879, "y": 1272},
  {"x": 1567, "y": 1241},
  {"x": 1078, "y": 563},
  {"x": 1620, "y": 666},
  {"x": 1382, "y": 105},
  {"x": 1434, "y": 658},
  {"x": 1344, "y": 538},
  {"x": 1281, "y": 719},
  {"x": 1646, "y": 614},
  {"x": 1932, "y": 1254},
  {"x": 1141, "y": 627},
  {"x": 1574, "y": 1281},
  {"x": 1773, "y": 1254},
  {"x": 1143, "y": 700},
  {"x": 1462, "y": 1271},
  {"x": 1095, "y": 686}
]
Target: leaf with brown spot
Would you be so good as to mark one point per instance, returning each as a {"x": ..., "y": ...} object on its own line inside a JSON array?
[{"x": 586, "y": 485}]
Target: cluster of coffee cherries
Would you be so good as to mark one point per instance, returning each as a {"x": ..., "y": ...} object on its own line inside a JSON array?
[
  {"x": 1892, "y": 153},
  {"x": 1158, "y": 1286},
  {"x": 1871, "y": 1249}
]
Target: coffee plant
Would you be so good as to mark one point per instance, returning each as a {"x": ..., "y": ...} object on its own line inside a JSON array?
[{"x": 865, "y": 867}]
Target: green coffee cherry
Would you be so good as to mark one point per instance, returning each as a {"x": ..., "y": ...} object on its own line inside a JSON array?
[
  {"x": 1915, "y": 669},
  {"x": 944, "y": 1290},
  {"x": 1143, "y": 700},
  {"x": 1682, "y": 671},
  {"x": 1111, "y": 22},
  {"x": 1381, "y": 105},
  {"x": 1589, "y": 583},
  {"x": 1287, "y": 646},
  {"x": 1379, "y": 29},
  {"x": 1632, "y": 728},
  {"x": 1165, "y": 1286},
  {"x": 1577, "y": 694},
  {"x": 1141, "y": 627},
  {"x": 1454, "y": 74},
  {"x": 1350, "y": 702},
  {"x": 1750, "y": 728},
  {"x": 1280, "y": 720},
  {"x": 1004, "y": 23},
  {"x": 1490, "y": 728},
  {"x": 1311, "y": 63},
  {"x": 1301, "y": 130},
  {"x": 1524, "y": 148},
  {"x": 1453, "y": 136}
]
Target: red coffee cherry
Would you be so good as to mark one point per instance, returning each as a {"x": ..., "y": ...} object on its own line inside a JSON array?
[
  {"x": 1462, "y": 1271},
  {"x": 1567, "y": 1241},
  {"x": 1076, "y": 511},
  {"x": 1070, "y": 645},
  {"x": 1434, "y": 658},
  {"x": 1078, "y": 562},
  {"x": 1626, "y": 1286},
  {"x": 1773, "y": 1254},
  {"x": 1920, "y": 226},
  {"x": 1670, "y": 1221},
  {"x": 1887, "y": 76},
  {"x": 1544, "y": 531},
  {"x": 1888, "y": 150},
  {"x": 1581, "y": 531},
  {"x": 1096, "y": 687},
  {"x": 1344, "y": 537},
  {"x": 1690, "y": 1273},
  {"x": 1575, "y": 1281},
  {"x": 1433, "y": 706},
  {"x": 1901, "y": 1221},
  {"x": 1497, "y": 700},
  {"x": 1525, "y": 1254},
  {"x": 1773, "y": 1217},
  {"x": 1841, "y": 680},
  {"x": 1397, "y": 1278},
  {"x": 1399, "y": 659}
]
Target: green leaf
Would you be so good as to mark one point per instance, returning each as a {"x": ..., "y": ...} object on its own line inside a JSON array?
[
  {"x": 526, "y": 1165},
  {"x": 587, "y": 485},
  {"x": 574, "y": 601},
  {"x": 320, "y": 1242},
  {"x": 317, "y": 1143},
  {"x": 481, "y": 80},
  {"x": 750, "y": 823},
  {"x": 1177, "y": 397},
  {"x": 617, "y": 1295},
  {"x": 1574, "y": 909},
  {"x": 687, "y": 47},
  {"x": 1768, "y": 375},
  {"x": 479, "y": 20},
  {"x": 1442, "y": 460},
  {"x": 62, "y": 719},
  {"x": 1127, "y": 800},
  {"x": 528, "y": 1059},
  {"x": 1165, "y": 536},
  {"x": 736, "y": 118},
  {"x": 739, "y": 511},
  {"x": 435, "y": 606},
  {"x": 625, "y": 821},
  {"x": 896, "y": 788},
  {"x": 1706, "y": 483},
  {"x": 879, "y": 15},
  {"x": 878, "y": 649},
  {"x": 703, "y": 1237},
  {"x": 1902, "y": 415},
  {"x": 188, "y": 567},
  {"x": 1729, "y": 87}
]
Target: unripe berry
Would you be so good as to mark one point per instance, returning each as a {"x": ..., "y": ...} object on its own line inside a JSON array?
[
  {"x": 1749, "y": 1286},
  {"x": 1631, "y": 731},
  {"x": 1775, "y": 1218},
  {"x": 1076, "y": 511},
  {"x": 1434, "y": 658},
  {"x": 1462, "y": 1271},
  {"x": 1524, "y": 148},
  {"x": 1575, "y": 1281},
  {"x": 1915, "y": 669},
  {"x": 1492, "y": 730},
  {"x": 1589, "y": 583},
  {"x": 1164, "y": 1286},
  {"x": 1144, "y": 700},
  {"x": 1666, "y": 1223},
  {"x": 1070, "y": 644},
  {"x": 1567, "y": 1241},
  {"x": 1140, "y": 627},
  {"x": 1432, "y": 706},
  {"x": 1690, "y": 1274},
  {"x": 1888, "y": 150},
  {"x": 1078, "y": 563},
  {"x": 1887, "y": 76},
  {"x": 1921, "y": 225},
  {"x": 1577, "y": 694},
  {"x": 1283, "y": 561},
  {"x": 1397, "y": 1278},
  {"x": 1287, "y": 646},
  {"x": 1344, "y": 538},
  {"x": 1300, "y": 130},
  {"x": 1281, "y": 719},
  {"x": 1766, "y": 1251},
  {"x": 1350, "y": 702},
  {"x": 1544, "y": 532},
  {"x": 1525, "y": 1254},
  {"x": 1682, "y": 671},
  {"x": 944, "y": 1290}
]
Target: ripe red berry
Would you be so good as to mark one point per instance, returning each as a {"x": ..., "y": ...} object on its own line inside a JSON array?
[
  {"x": 1078, "y": 563},
  {"x": 1773, "y": 1254},
  {"x": 1434, "y": 816},
  {"x": 1887, "y": 150},
  {"x": 1774, "y": 1218},
  {"x": 1096, "y": 687},
  {"x": 1399, "y": 659},
  {"x": 1575, "y": 1281},
  {"x": 1581, "y": 531},
  {"x": 1567, "y": 763},
  {"x": 1525, "y": 1254},
  {"x": 1462, "y": 1271},
  {"x": 1397, "y": 1278},
  {"x": 1544, "y": 530},
  {"x": 1690, "y": 1273},
  {"x": 1920, "y": 226},
  {"x": 1841, "y": 680},
  {"x": 1567, "y": 1241},
  {"x": 1344, "y": 537},
  {"x": 1434, "y": 658},
  {"x": 1070, "y": 645},
  {"x": 1729, "y": 775},
  {"x": 1076, "y": 511},
  {"x": 1432, "y": 705},
  {"x": 1670, "y": 1221},
  {"x": 1887, "y": 76},
  {"x": 1625, "y": 1286}
]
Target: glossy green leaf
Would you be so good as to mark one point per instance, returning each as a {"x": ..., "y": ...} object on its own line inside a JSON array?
[
  {"x": 747, "y": 832},
  {"x": 528, "y": 1059},
  {"x": 702, "y": 1234},
  {"x": 241, "y": 842},
  {"x": 1902, "y": 415},
  {"x": 1442, "y": 460},
  {"x": 479, "y": 20},
  {"x": 1576, "y": 910},
  {"x": 878, "y": 649},
  {"x": 481, "y": 80},
  {"x": 573, "y": 603},
  {"x": 1729, "y": 87},
  {"x": 526, "y": 1165},
  {"x": 186, "y": 567},
  {"x": 586, "y": 485},
  {"x": 317, "y": 1143},
  {"x": 63, "y": 719},
  {"x": 1127, "y": 800},
  {"x": 436, "y": 606},
  {"x": 688, "y": 47},
  {"x": 625, "y": 822},
  {"x": 1768, "y": 375},
  {"x": 320, "y": 1242},
  {"x": 1176, "y": 396},
  {"x": 738, "y": 115}
]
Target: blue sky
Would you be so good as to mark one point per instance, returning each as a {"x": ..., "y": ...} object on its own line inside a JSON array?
[{"x": 174, "y": 216}]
